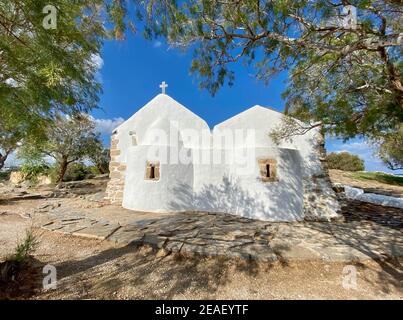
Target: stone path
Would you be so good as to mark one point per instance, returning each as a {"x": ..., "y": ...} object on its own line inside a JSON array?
[{"x": 237, "y": 237}]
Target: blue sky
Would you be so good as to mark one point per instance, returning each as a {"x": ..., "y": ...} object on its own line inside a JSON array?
[{"x": 132, "y": 70}]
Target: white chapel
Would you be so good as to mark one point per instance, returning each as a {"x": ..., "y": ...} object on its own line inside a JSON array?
[{"x": 165, "y": 158}]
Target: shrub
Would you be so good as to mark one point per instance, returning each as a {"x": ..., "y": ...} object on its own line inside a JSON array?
[
  {"x": 100, "y": 158},
  {"x": 345, "y": 161},
  {"x": 77, "y": 171},
  {"x": 94, "y": 170},
  {"x": 26, "y": 247},
  {"x": 32, "y": 169},
  {"x": 23, "y": 251},
  {"x": 5, "y": 175},
  {"x": 53, "y": 172}
]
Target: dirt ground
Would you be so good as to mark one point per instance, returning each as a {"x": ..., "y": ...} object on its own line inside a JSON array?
[{"x": 91, "y": 269}]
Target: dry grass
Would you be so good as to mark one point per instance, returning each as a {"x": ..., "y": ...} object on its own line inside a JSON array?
[{"x": 379, "y": 177}]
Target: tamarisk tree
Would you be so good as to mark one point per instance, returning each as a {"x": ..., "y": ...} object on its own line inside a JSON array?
[
  {"x": 48, "y": 62},
  {"x": 391, "y": 151},
  {"x": 68, "y": 139},
  {"x": 343, "y": 56}
]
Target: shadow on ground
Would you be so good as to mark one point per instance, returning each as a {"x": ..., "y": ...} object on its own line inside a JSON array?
[
  {"x": 371, "y": 215},
  {"x": 24, "y": 282},
  {"x": 133, "y": 266}
]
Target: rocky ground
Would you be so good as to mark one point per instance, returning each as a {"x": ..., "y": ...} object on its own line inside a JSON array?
[{"x": 91, "y": 268}]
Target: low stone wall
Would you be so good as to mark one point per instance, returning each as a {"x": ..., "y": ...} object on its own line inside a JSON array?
[
  {"x": 17, "y": 177},
  {"x": 114, "y": 189}
]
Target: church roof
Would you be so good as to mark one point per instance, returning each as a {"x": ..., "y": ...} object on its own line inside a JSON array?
[
  {"x": 162, "y": 105},
  {"x": 255, "y": 112}
]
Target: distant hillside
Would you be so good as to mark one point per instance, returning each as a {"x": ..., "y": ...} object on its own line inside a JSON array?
[{"x": 375, "y": 182}]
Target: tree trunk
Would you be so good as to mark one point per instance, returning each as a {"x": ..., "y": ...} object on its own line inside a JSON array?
[
  {"x": 2, "y": 161},
  {"x": 101, "y": 169},
  {"x": 3, "y": 158},
  {"x": 63, "y": 168},
  {"x": 394, "y": 76}
]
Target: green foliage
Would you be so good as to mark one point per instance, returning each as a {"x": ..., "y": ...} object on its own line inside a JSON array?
[
  {"x": 379, "y": 177},
  {"x": 32, "y": 169},
  {"x": 118, "y": 11},
  {"x": 26, "y": 247},
  {"x": 68, "y": 140},
  {"x": 5, "y": 175},
  {"x": 22, "y": 252},
  {"x": 347, "y": 77},
  {"x": 45, "y": 71},
  {"x": 37, "y": 59},
  {"x": 77, "y": 172},
  {"x": 9, "y": 138},
  {"x": 344, "y": 161},
  {"x": 100, "y": 158},
  {"x": 391, "y": 150},
  {"x": 94, "y": 170}
]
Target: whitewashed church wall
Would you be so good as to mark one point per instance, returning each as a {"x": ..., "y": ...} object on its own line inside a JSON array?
[
  {"x": 161, "y": 107},
  {"x": 259, "y": 119},
  {"x": 226, "y": 187},
  {"x": 231, "y": 189},
  {"x": 156, "y": 196}
]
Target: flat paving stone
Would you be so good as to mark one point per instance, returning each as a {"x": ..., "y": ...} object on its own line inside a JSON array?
[
  {"x": 184, "y": 235},
  {"x": 362, "y": 237},
  {"x": 294, "y": 252},
  {"x": 125, "y": 236},
  {"x": 98, "y": 231},
  {"x": 257, "y": 252},
  {"x": 53, "y": 226},
  {"x": 154, "y": 240},
  {"x": 72, "y": 229},
  {"x": 77, "y": 226}
]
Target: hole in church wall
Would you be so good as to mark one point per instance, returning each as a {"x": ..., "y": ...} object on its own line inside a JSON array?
[
  {"x": 268, "y": 170},
  {"x": 152, "y": 171}
]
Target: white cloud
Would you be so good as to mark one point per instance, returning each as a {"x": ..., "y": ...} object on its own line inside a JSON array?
[
  {"x": 157, "y": 44},
  {"x": 106, "y": 126},
  {"x": 358, "y": 147},
  {"x": 97, "y": 61}
]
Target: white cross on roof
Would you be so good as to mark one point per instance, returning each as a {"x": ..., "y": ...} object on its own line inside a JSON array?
[{"x": 163, "y": 86}]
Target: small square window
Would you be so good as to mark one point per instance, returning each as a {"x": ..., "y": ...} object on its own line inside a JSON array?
[
  {"x": 268, "y": 170},
  {"x": 152, "y": 171}
]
